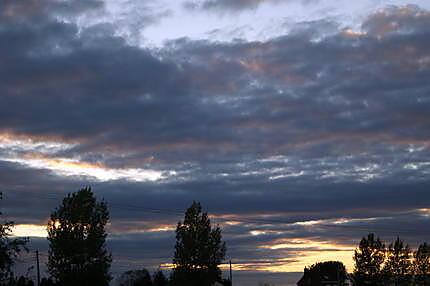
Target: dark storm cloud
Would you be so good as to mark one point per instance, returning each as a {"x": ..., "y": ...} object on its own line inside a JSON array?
[{"x": 314, "y": 125}]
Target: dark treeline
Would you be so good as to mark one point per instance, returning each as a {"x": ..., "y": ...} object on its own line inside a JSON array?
[
  {"x": 78, "y": 254},
  {"x": 396, "y": 264},
  {"x": 376, "y": 264}
]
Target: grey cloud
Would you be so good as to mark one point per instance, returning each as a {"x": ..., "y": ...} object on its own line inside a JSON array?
[
  {"x": 309, "y": 127},
  {"x": 24, "y": 11},
  {"x": 397, "y": 20},
  {"x": 234, "y": 5},
  {"x": 320, "y": 90}
]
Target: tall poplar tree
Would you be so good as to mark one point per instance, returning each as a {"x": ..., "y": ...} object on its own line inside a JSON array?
[
  {"x": 199, "y": 250},
  {"x": 76, "y": 235}
]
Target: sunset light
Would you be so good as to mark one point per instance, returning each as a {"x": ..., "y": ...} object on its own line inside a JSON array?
[{"x": 215, "y": 142}]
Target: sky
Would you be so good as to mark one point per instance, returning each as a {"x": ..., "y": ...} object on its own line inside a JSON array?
[{"x": 300, "y": 125}]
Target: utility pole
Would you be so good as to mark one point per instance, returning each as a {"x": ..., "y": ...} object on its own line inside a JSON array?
[
  {"x": 231, "y": 275},
  {"x": 38, "y": 268}
]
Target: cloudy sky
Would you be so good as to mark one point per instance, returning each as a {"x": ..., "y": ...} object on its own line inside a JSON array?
[{"x": 301, "y": 125}]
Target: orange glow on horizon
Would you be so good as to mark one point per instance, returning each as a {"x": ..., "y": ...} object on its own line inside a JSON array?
[
  {"x": 29, "y": 230},
  {"x": 301, "y": 252},
  {"x": 297, "y": 263}
]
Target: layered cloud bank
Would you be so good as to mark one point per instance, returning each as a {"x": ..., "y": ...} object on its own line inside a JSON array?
[{"x": 298, "y": 144}]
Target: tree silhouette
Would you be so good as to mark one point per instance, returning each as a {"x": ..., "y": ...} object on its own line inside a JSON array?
[
  {"x": 368, "y": 259},
  {"x": 421, "y": 265},
  {"x": 76, "y": 235},
  {"x": 159, "y": 279},
  {"x": 398, "y": 267},
  {"x": 198, "y": 251},
  {"x": 135, "y": 278},
  {"x": 9, "y": 249},
  {"x": 324, "y": 273}
]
